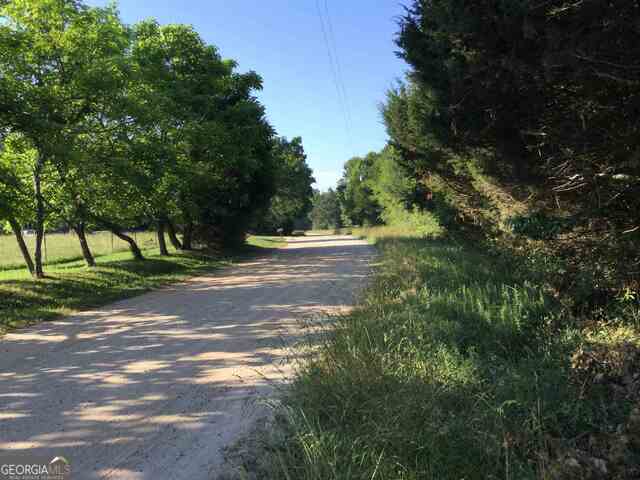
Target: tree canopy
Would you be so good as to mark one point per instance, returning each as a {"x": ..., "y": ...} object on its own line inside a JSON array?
[
  {"x": 355, "y": 191},
  {"x": 292, "y": 201},
  {"x": 540, "y": 97},
  {"x": 106, "y": 125}
]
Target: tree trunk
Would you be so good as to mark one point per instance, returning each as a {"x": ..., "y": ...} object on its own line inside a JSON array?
[
  {"x": 117, "y": 231},
  {"x": 17, "y": 230},
  {"x": 133, "y": 246},
  {"x": 188, "y": 236},
  {"x": 40, "y": 213},
  {"x": 173, "y": 238},
  {"x": 513, "y": 149},
  {"x": 161, "y": 240},
  {"x": 84, "y": 245}
]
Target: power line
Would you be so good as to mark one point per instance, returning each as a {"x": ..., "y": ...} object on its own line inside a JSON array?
[
  {"x": 336, "y": 57},
  {"x": 335, "y": 71}
]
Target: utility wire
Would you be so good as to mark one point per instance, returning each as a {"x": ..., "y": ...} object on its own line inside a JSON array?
[
  {"x": 334, "y": 72},
  {"x": 336, "y": 57}
]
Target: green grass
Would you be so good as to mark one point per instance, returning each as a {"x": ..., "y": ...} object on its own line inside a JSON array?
[
  {"x": 63, "y": 247},
  {"x": 266, "y": 242},
  {"x": 455, "y": 367},
  {"x": 71, "y": 286}
]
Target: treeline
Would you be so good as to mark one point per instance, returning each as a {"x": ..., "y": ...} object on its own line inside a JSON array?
[
  {"x": 373, "y": 190},
  {"x": 518, "y": 121},
  {"x": 110, "y": 126}
]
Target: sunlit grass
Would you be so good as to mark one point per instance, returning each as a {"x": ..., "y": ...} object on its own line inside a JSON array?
[
  {"x": 62, "y": 247},
  {"x": 266, "y": 242},
  {"x": 453, "y": 366}
]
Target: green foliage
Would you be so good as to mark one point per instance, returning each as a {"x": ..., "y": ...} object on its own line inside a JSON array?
[
  {"x": 539, "y": 226},
  {"x": 17, "y": 158},
  {"x": 539, "y": 96},
  {"x": 111, "y": 126},
  {"x": 378, "y": 188},
  {"x": 201, "y": 135},
  {"x": 325, "y": 213},
  {"x": 355, "y": 191},
  {"x": 393, "y": 187},
  {"x": 293, "y": 198}
]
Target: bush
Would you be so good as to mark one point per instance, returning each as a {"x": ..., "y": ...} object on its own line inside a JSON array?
[{"x": 539, "y": 226}]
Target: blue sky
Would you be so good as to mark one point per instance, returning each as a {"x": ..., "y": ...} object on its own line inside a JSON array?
[{"x": 282, "y": 40}]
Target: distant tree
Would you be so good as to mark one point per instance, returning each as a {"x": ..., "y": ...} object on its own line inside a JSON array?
[
  {"x": 394, "y": 187},
  {"x": 293, "y": 191},
  {"x": 355, "y": 191},
  {"x": 326, "y": 210}
]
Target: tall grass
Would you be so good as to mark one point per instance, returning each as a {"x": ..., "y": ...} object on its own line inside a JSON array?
[{"x": 452, "y": 367}]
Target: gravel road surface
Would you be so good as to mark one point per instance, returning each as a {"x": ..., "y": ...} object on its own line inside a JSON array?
[{"x": 156, "y": 386}]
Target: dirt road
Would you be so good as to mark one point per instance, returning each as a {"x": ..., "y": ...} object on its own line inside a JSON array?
[{"x": 153, "y": 387}]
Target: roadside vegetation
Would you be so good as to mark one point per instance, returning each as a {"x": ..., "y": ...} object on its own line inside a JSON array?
[
  {"x": 500, "y": 335},
  {"x": 459, "y": 363},
  {"x": 119, "y": 137}
]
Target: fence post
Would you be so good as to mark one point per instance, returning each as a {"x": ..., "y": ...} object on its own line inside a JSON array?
[{"x": 44, "y": 239}]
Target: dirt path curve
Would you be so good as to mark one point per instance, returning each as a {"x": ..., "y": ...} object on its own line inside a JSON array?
[{"x": 153, "y": 387}]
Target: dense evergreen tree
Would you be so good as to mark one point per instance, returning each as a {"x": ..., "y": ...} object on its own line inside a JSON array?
[{"x": 543, "y": 97}]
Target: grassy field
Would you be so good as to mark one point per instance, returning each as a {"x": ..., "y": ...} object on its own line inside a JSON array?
[
  {"x": 70, "y": 286},
  {"x": 61, "y": 247},
  {"x": 455, "y": 366}
]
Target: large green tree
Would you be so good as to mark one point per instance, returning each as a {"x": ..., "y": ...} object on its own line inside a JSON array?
[
  {"x": 203, "y": 133},
  {"x": 60, "y": 61},
  {"x": 542, "y": 96}
]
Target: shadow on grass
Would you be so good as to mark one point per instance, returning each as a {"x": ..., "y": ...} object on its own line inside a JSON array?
[{"x": 25, "y": 301}]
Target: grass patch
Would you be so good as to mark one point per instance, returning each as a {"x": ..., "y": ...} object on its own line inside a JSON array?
[
  {"x": 71, "y": 286},
  {"x": 64, "y": 247},
  {"x": 260, "y": 241},
  {"x": 454, "y": 366}
]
